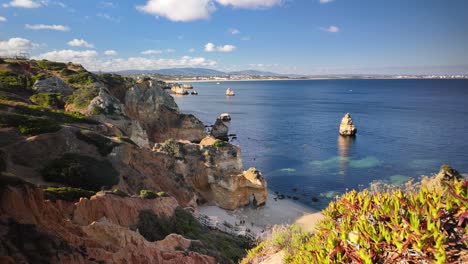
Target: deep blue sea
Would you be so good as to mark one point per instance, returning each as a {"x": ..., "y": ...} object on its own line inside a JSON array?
[{"x": 289, "y": 130}]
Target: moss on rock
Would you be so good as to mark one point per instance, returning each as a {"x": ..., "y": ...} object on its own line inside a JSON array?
[{"x": 66, "y": 193}]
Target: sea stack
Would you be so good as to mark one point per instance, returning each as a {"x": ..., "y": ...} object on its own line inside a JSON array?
[
  {"x": 230, "y": 92},
  {"x": 346, "y": 127}
]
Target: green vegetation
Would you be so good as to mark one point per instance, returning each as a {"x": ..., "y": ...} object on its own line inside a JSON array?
[
  {"x": 66, "y": 72},
  {"x": 103, "y": 144},
  {"x": 173, "y": 148},
  {"x": 383, "y": 227},
  {"x": 82, "y": 97},
  {"x": 82, "y": 78},
  {"x": 147, "y": 194},
  {"x": 50, "y": 100},
  {"x": 219, "y": 143},
  {"x": 34, "y": 120},
  {"x": 40, "y": 76},
  {"x": 81, "y": 172},
  {"x": 10, "y": 81},
  {"x": 66, "y": 193},
  {"x": 51, "y": 65},
  {"x": 226, "y": 248}
]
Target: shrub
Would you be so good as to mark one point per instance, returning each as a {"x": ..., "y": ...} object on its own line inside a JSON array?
[
  {"x": 51, "y": 100},
  {"x": 51, "y": 65},
  {"x": 147, "y": 194},
  {"x": 173, "y": 148},
  {"x": 81, "y": 172},
  {"x": 82, "y": 97},
  {"x": 103, "y": 144},
  {"x": 67, "y": 72},
  {"x": 12, "y": 81},
  {"x": 83, "y": 78},
  {"x": 28, "y": 125},
  {"x": 219, "y": 143},
  {"x": 66, "y": 193}
]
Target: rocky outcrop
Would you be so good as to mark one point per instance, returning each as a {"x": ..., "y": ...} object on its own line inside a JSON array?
[
  {"x": 159, "y": 116},
  {"x": 214, "y": 169},
  {"x": 33, "y": 230},
  {"x": 122, "y": 211},
  {"x": 176, "y": 89},
  {"x": 52, "y": 85},
  {"x": 220, "y": 130},
  {"x": 230, "y": 92},
  {"x": 105, "y": 103},
  {"x": 346, "y": 126},
  {"x": 439, "y": 182}
]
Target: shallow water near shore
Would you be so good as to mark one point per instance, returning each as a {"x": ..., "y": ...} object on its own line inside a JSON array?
[{"x": 289, "y": 130}]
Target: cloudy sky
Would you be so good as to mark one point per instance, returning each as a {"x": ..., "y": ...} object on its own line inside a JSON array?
[{"x": 288, "y": 36}]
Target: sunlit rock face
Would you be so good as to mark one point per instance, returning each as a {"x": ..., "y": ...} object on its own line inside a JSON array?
[
  {"x": 346, "y": 126},
  {"x": 52, "y": 85}
]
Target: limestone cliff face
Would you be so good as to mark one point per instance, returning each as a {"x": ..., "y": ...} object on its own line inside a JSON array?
[
  {"x": 52, "y": 85},
  {"x": 347, "y": 127},
  {"x": 216, "y": 173},
  {"x": 34, "y": 230},
  {"x": 159, "y": 116}
]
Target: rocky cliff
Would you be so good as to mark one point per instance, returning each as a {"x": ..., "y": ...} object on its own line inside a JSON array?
[{"x": 65, "y": 127}]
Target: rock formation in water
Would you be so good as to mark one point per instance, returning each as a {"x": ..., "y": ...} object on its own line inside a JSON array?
[
  {"x": 346, "y": 126},
  {"x": 230, "y": 92}
]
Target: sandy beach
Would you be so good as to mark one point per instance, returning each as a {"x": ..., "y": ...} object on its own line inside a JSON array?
[{"x": 259, "y": 220}]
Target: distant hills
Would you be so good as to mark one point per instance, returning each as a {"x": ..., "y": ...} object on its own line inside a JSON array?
[{"x": 199, "y": 72}]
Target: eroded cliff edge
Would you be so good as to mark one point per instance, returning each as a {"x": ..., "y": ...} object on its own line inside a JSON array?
[{"x": 63, "y": 126}]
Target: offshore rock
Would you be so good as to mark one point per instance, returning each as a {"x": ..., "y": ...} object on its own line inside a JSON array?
[
  {"x": 346, "y": 126},
  {"x": 220, "y": 130},
  {"x": 52, "y": 85}
]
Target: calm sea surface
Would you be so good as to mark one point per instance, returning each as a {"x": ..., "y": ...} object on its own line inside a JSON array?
[{"x": 289, "y": 130}]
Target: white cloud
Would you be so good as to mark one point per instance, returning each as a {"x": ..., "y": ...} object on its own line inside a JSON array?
[
  {"x": 3, "y": 19},
  {"x": 68, "y": 55},
  {"x": 170, "y": 50},
  {"x": 110, "y": 52},
  {"x": 326, "y": 1},
  {"x": 263, "y": 65},
  {"x": 179, "y": 10},
  {"x": 210, "y": 47},
  {"x": 250, "y": 3},
  {"x": 80, "y": 43},
  {"x": 234, "y": 31},
  {"x": 47, "y": 27},
  {"x": 191, "y": 50},
  {"x": 90, "y": 60},
  {"x": 331, "y": 29},
  {"x": 151, "y": 52},
  {"x": 13, "y": 45},
  {"x": 25, "y": 4}
]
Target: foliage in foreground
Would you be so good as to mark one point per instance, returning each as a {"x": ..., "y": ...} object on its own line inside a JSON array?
[
  {"x": 382, "y": 227},
  {"x": 226, "y": 248}
]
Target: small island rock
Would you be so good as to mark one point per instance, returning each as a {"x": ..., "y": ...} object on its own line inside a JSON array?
[{"x": 346, "y": 127}]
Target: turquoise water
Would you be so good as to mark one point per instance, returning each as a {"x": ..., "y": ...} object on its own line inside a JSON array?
[{"x": 289, "y": 130}]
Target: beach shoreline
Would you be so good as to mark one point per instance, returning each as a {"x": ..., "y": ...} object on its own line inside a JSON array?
[{"x": 261, "y": 219}]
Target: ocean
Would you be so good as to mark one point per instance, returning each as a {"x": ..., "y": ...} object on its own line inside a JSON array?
[{"x": 289, "y": 130}]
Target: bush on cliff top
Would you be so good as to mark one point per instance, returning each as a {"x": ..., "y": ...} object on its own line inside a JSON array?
[
  {"x": 81, "y": 172},
  {"x": 384, "y": 227},
  {"x": 66, "y": 193},
  {"x": 50, "y": 100},
  {"x": 82, "y": 97},
  {"x": 226, "y": 248},
  {"x": 102, "y": 143}
]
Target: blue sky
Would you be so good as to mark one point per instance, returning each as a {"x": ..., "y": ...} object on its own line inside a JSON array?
[{"x": 289, "y": 36}]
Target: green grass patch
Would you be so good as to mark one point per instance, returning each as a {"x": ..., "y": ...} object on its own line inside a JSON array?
[
  {"x": 66, "y": 193},
  {"x": 51, "y": 65},
  {"x": 81, "y": 171},
  {"x": 147, "y": 194},
  {"x": 82, "y": 97},
  {"x": 120, "y": 193},
  {"x": 10, "y": 81},
  {"x": 103, "y": 144},
  {"x": 50, "y": 100},
  {"x": 226, "y": 248},
  {"x": 82, "y": 78}
]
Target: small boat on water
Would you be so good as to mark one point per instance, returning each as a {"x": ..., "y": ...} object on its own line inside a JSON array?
[
  {"x": 230, "y": 92},
  {"x": 194, "y": 92}
]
